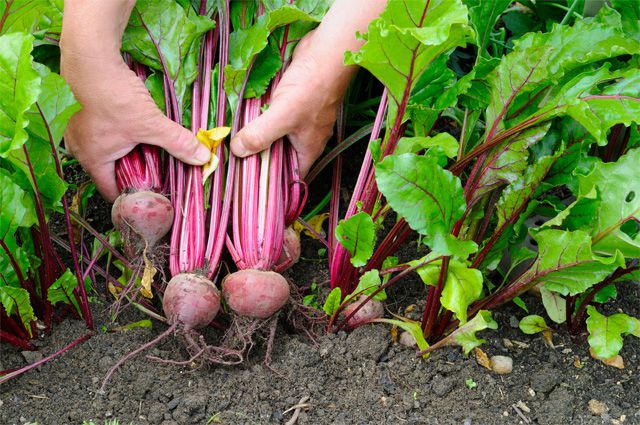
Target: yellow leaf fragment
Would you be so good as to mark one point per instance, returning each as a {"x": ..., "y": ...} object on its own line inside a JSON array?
[
  {"x": 547, "y": 336},
  {"x": 211, "y": 139},
  {"x": 315, "y": 223},
  {"x": 394, "y": 333},
  {"x": 616, "y": 361},
  {"x": 147, "y": 276},
  {"x": 114, "y": 290},
  {"x": 482, "y": 358}
]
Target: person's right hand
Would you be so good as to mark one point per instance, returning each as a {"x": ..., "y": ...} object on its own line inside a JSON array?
[{"x": 117, "y": 110}]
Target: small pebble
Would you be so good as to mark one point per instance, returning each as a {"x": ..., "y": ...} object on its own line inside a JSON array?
[
  {"x": 502, "y": 365},
  {"x": 174, "y": 403},
  {"x": 467, "y": 421},
  {"x": 513, "y": 322},
  {"x": 32, "y": 356},
  {"x": 407, "y": 340},
  {"x": 597, "y": 407}
]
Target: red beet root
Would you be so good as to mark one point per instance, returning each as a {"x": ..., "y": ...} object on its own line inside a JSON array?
[
  {"x": 144, "y": 215},
  {"x": 191, "y": 300},
  {"x": 373, "y": 309},
  {"x": 255, "y": 293}
]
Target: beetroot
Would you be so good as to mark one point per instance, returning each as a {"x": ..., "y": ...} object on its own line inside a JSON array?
[
  {"x": 255, "y": 293},
  {"x": 191, "y": 300},
  {"x": 290, "y": 249},
  {"x": 373, "y": 309},
  {"x": 142, "y": 217}
]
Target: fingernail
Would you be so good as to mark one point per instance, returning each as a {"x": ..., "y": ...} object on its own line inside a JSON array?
[
  {"x": 202, "y": 154},
  {"x": 238, "y": 149}
]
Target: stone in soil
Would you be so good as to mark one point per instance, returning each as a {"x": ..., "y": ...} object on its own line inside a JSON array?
[
  {"x": 502, "y": 365},
  {"x": 597, "y": 407}
]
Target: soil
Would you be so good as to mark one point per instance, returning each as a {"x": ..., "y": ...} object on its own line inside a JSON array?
[{"x": 362, "y": 377}]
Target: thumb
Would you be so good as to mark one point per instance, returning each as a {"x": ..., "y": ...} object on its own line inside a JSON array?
[
  {"x": 260, "y": 133},
  {"x": 179, "y": 142},
  {"x": 104, "y": 177}
]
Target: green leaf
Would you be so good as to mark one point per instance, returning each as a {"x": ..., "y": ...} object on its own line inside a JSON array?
[
  {"x": 540, "y": 60},
  {"x": 369, "y": 283},
  {"x": 164, "y": 37},
  {"x": 22, "y": 261},
  {"x": 465, "y": 335},
  {"x": 462, "y": 287},
  {"x": 554, "y": 304},
  {"x": 607, "y": 293},
  {"x": 406, "y": 38},
  {"x": 618, "y": 185},
  {"x": 483, "y": 16},
  {"x": 37, "y": 17},
  {"x": 413, "y": 328},
  {"x": 533, "y": 324},
  {"x": 630, "y": 13},
  {"x": 17, "y": 301},
  {"x": 19, "y": 89},
  {"x": 520, "y": 303},
  {"x": 428, "y": 197},
  {"x": 598, "y": 109},
  {"x": 605, "y": 333},
  {"x": 57, "y": 103},
  {"x": 566, "y": 263},
  {"x": 246, "y": 43},
  {"x": 47, "y": 119},
  {"x": 509, "y": 161},
  {"x": 356, "y": 234},
  {"x": 442, "y": 143},
  {"x": 17, "y": 209},
  {"x": 62, "y": 290},
  {"x": 332, "y": 303}
]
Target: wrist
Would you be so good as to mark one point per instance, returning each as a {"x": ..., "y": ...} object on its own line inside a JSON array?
[{"x": 92, "y": 28}]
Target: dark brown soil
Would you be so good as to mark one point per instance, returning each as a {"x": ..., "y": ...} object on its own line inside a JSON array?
[{"x": 357, "y": 378}]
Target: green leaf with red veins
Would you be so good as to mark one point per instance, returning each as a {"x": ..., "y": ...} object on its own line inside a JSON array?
[
  {"x": 163, "y": 36},
  {"x": 357, "y": 235},
  {"x": 465, "y": 335},
  {"x": 19, "y": 89},
  {"x": 428, "y": 197},
  {"x": 406, "y": 38},
  {"x": 443, "y": 143},
  {"x": 462, "y": 286},
  {"x": 16, "y": 301},
  {"x": 62, "y": 290},
  {"x": 541, "y": 60},
  {"x": 509, "y": 161},
  {"x": 483, "y": 16},
  {"x": 618, "y": 184},
  {"x": 597, "y": 99},
  {"x": 606, "y": 332},
  {"x": 566, "y": 263},
  {"x": 246, "y": 43},
  {"x": 369, "y": 283},
  {"x": 332, "y": 303},
  {"x": 37, "y": 17},
  {"x": 47, "y": 119}
]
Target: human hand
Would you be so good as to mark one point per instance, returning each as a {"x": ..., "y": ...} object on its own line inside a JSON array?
[
  {"x": 304, "y": 104},
  {"x": 117, "y": 111}
]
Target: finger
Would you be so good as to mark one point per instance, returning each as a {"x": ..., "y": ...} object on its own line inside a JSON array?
[
  {"x": 260, "y": 133},
  {"x": 179, "y": 142},
  {"x": 104, "y": 176}
]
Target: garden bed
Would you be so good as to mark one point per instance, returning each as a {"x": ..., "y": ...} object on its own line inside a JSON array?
[{"x": 360, "y": 377}]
